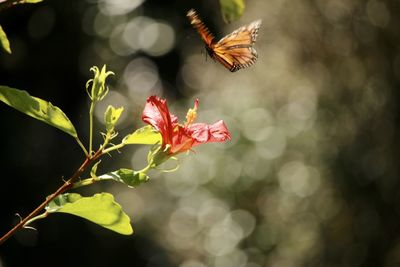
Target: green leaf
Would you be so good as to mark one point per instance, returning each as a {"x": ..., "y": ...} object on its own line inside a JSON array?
[
  {"x": 145, "y": 136},
  {"x": 4, "y": 41},
  {"x": 37, "y": 108},
  {"x": 61, "y": 200},
  {"x": 232, "y": 9},
  {"x": 111, "y": 117},
  {"x": 94, "y": 169},
  {"x": 100, "y": 209},
  {"x": 130, "y": 177},
  {"x": 31, "y": 1}
]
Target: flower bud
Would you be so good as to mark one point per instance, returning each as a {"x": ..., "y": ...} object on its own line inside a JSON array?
[{"x": 99, "y": 90}]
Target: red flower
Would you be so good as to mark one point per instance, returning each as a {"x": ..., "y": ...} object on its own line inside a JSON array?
[{"x": 177, "y": 137}]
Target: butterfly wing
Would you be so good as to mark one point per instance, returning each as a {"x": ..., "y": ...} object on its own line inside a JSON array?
[
  {"x": 205, "y": 34},
  {"x": 235, "y": 51}
]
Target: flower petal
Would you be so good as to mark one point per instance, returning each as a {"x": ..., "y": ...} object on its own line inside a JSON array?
[
  {"x": 179, "y": 137},
  {"x": 181, "y": 140},
  {"x": 204, "y": 133},
  {"x": 156, "y": 114},
  {"x": 219, "y": 132}
]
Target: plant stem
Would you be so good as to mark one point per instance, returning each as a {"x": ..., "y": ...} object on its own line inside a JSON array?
[
  {"x": 91, "y": 126},
  {"x": 145, "y": 169},
  {"x": 40, "y": 216},
  {"x": 66, "y": 186},
  {"x": 82, "y": 146},
  {"x": 108, "y": 150},
  {"x": 85, "y": 182}
]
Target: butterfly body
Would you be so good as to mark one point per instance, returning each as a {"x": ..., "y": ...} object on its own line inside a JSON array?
[{"x": 235, "y": 51}]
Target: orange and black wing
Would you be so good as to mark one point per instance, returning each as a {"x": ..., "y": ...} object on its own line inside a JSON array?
[
  {"x": 205, "y": 34},
  {"x": 235, "y": 51}
]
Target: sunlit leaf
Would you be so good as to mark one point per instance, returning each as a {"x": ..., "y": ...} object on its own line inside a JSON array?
[
  {"x": 4, "y": 41},
  {"x": 232, "y": 9},
  {"x": 145, "y": 135},
  {"x": 61, "y": 200},
  {"x": 93, "y": 171},
  {"x": 30, "y": 1},
  {"x": 37, "y": 108},
  {"x": 111, "y": 117},
  {"x": 100, "y": 209},
  {"x": 126, "y": 176},
  {"x": 98, "y": 84}
]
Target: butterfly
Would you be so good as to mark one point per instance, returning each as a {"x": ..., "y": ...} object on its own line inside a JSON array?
[{"x": 235, "y": 51}]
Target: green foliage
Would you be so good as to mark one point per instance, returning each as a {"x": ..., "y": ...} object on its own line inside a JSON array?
[
  {"x": 126, "y": 176},
  {"x": 93, "y": 171},
  {"x": 145, "y": 136},
  {"x": 99, "y": 90},
  {"x": 4, "y": 41},
  {"x": 37, "y": 108},
  {"x": 100, "y": 209},
  {"x": 111, "y": 117},
  {"x": 232, "y": 9},
  {"x": 30, "y": 1}
]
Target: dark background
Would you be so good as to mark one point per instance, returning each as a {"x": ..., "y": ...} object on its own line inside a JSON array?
[{"x": 313, "y": 167}]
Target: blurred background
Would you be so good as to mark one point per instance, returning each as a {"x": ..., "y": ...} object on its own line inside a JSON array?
[{"x": 310, "y": 178}]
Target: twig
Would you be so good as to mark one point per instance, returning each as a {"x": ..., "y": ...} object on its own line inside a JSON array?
[{"x": 66, "y": 186}]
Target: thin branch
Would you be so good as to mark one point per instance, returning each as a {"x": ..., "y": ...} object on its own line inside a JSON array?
[
  {"x": 66, "y": 186},
  {"x": 92, "y": 103}
]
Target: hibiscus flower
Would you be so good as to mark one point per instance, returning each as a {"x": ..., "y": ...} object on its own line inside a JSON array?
[{"x": 177, "y": 137}]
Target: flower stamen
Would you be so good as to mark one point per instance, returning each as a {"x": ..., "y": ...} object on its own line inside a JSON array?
[{"x": 192, "y": 114}]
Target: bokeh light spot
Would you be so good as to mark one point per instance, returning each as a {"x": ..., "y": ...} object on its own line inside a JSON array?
[
  {"x": 118, "y": 7},
  {"x": 378, "y": 13},
  {"x": 295, "y": 177},
  {"x": 141, "y": 79}
]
